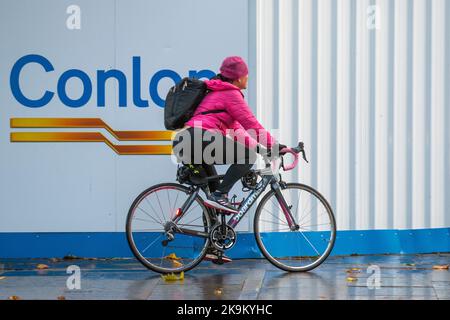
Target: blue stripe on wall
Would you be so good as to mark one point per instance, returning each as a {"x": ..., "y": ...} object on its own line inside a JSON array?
[{"x": 114, "y": 244}]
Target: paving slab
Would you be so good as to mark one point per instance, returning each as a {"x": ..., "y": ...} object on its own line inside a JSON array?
[{"x": 399, "y": 277}]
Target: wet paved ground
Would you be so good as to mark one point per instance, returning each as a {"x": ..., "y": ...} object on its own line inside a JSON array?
[{"x": 401, "y": 277}]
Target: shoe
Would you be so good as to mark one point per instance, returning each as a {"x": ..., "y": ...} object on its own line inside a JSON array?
[
  {"x": 220, "y": 201},
  {"x": 216, "y": 256}
]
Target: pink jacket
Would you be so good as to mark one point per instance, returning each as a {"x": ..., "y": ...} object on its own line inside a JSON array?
[{"x": 237, "y": 116}]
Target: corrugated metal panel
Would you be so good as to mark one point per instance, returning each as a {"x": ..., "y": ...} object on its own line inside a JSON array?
[{"x": 371, "y": 104}]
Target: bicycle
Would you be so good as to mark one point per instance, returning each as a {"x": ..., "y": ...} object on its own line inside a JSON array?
[{"x": 176, "y": 238}]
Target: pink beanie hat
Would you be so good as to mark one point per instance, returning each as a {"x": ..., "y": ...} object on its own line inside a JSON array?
[{"x": 233, "y": 68}]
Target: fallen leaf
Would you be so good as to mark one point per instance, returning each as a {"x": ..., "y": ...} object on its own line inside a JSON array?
[
  {"x": 351, "y": 279},
  {"x": 14, "y": 298},
  {"x": 441, "y": 267},
  {"x": 54, "y": 260},
  {"x": 353, "y": 270},
  {"x": 172, "y": 256},
  {"x": 1, "y": 278},
  {"x": 173, "y": 276},
  {"x": 177, "y": 264},
  {"x": 411, "y": 264},
  {"x": 61, "y": 298},
  {"x": 41, "y": 266},
  {"x": 218, "y": 291}
]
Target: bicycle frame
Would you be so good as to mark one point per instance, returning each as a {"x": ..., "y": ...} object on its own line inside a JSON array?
[{"x": 243, "y": 208}]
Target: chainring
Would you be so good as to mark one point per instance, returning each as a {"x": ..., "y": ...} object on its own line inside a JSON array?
[{"x": 220, "y": 241}]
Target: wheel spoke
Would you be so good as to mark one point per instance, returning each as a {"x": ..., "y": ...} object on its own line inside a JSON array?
[
  {"x": 306, "y": 250},
  {"x": 307, "y": 213},
  {"x": 174, "y": 206},
  {"x": 313, "y": 217},
  {"x": 281, "y": 229},
  {"x": 146, "y": 220},
  {"x": 298, "y": 202},
  {"x": 189, "y": 210},
  {"x": 275, "y": 216},
  {"x": 306, "y": 238},
  {"x": 170, "y": 205},
  {"x": 159, "y": 202},
  {"x": 284, "y": 224},
  {"x": 158, "y": 222},
  {"x": 189, "y": 225},
  {"x": 156, "y": 213},
  {"x": 151, "y": 242},
  {"x": 144, "y": 230},
  {"x": 163, "y": 256},
  {"x": 190, "y": 221},
  {"x": 315, "y": 225}
]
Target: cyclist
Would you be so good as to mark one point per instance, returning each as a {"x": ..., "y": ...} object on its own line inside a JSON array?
[{"x": 224, "y": 108}]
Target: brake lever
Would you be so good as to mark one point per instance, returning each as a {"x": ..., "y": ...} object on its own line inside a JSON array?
[
  {"x": 304, "y": 156},
  {"x": 301, "y": 149}
]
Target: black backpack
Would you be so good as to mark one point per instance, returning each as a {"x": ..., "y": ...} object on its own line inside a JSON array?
[{"x": 181, "y": 102}]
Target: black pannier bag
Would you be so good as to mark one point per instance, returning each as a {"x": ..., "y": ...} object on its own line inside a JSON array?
[{"x": 181, "y": 102}]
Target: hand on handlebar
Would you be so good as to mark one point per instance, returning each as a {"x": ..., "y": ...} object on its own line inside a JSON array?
[
  {"x": 282, "y": 150},
  {"x": 278, "y": 147},
  {"x": 272, "y": 152},
  {"x": 294, "y": 151},
  {"x": 300, "y": 148}
]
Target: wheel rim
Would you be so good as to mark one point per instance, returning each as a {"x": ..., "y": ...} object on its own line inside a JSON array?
[
  {"x": 302, "y": 249},
  {"x": 147, "y": 219}
]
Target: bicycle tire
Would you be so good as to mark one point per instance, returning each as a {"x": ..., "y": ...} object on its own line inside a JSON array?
[
  {"x": 267, "y": 254},
  {"x": 132, "y": 244}
]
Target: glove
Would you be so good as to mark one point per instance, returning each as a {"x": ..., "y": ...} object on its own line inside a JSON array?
[{"x": 280, "y": 147}]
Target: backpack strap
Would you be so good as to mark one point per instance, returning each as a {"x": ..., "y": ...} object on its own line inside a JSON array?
[{"x": 213, "y": 111}]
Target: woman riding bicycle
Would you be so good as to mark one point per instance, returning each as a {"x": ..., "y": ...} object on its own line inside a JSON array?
[
  {"x": 223, "y": 111},
  {"x": 169, "y": 228}
]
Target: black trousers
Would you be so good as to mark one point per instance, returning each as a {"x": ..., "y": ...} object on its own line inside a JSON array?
[{"x": 202, "y": 147}]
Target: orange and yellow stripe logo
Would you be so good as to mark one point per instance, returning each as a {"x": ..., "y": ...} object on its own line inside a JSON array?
[{"x": 90, "y": 136}]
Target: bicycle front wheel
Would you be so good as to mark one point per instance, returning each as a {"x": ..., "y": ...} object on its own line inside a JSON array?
[
  {"x": 151, "y": 216},
  {"x": 304, "y": 247}
]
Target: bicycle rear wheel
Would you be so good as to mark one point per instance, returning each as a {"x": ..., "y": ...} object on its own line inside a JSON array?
[
  {"x": 307, "y": 246},
  {"x": 148, "y": 219}
]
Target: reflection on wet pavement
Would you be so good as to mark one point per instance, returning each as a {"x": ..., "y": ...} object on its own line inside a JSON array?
[{"x": 346, "y": 277}]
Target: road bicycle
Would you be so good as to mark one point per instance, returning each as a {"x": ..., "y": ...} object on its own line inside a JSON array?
[{"x": 170, "y": 229}]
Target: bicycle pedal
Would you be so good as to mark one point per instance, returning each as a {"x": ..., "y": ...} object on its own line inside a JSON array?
[{"x": 218, "y": 261}]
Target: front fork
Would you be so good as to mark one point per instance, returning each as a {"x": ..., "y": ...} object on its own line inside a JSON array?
[{"x": 276, "y": 187}]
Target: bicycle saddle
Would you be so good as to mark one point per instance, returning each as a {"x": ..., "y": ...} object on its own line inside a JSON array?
[{"x": 191, "y": 174}]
